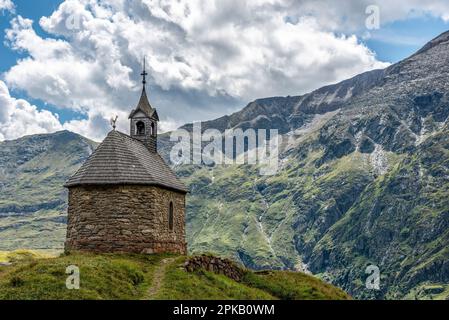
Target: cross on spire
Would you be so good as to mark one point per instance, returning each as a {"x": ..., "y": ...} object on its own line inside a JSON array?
[{"x": 144, "y": 73}]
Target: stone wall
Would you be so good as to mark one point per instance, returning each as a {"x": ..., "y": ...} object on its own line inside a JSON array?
[
  {"x": 215, "y": 265},
  {"x": 125, "y": 219}
]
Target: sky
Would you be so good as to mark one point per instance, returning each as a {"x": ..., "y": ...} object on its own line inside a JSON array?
[{"x": 74, "y": 64}]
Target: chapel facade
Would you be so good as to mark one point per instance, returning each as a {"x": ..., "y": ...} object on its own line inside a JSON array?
[{"x": 125, "y": 198}]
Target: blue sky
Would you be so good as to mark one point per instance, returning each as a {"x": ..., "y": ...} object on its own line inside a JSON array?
[
  {"x": 33, "y": 10},
  {"x": 193, "y": 74},
  {"x": 400, "y": 39},
  {"x": 29, "y": 9}
]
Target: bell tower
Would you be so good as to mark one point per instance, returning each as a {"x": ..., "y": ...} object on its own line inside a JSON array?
[{"x": 144, "y": 119}]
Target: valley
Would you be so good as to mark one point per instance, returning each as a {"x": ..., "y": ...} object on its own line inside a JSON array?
[{"x": 363, "y": 180}]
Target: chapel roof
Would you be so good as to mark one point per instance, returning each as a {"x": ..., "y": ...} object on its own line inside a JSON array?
[{"x": 123, "y": 160}]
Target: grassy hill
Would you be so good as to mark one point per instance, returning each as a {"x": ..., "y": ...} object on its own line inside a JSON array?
[
  {"x": 32, "y": 200},
  {"x": 35, "y": 275}
]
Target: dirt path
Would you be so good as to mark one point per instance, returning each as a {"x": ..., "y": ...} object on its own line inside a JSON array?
[{"x": 158, "y": 278}]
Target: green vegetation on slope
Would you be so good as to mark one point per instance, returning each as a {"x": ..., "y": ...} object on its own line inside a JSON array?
[
  {"x": 26, "y": 255},
  {"x": 289, "y": 285},
  {"x": 33, "y": 202},
  {"x": 202, "y": 284},
  {"x": 114, "y": 276}
]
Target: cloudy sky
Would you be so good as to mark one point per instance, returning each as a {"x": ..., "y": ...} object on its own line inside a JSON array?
[{"x": 74, "y": 64}]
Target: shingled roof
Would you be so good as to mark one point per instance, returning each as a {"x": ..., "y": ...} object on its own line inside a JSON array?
[
  {"x": 145, "y": 106},
  {"x": 121, "y": 159}
]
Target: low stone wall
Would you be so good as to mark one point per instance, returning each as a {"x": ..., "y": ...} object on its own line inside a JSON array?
[{"x": 216, "y": 265}]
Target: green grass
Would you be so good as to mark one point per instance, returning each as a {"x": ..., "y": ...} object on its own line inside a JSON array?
[
  {"x": 21, "y": 255},
  {"x": 102, "y": 277},
  {"x": 129, "y": 277},
  {"x": 429, "y": 291},
  {"x": 289, "y": 285},
  {"x": 179, "y": 284}
]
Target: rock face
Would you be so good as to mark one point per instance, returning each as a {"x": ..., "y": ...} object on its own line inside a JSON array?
[{"x": 125, "y": 219}]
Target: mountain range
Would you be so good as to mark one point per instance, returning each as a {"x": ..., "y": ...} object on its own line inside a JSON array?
[{"x": 363, "y": 180}]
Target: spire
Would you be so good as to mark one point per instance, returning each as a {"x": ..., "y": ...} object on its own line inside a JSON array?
[
  {"x": 144, "y": 74},
  {"x": 143, "y": 119},
  {"x": 144, "y": 104}
]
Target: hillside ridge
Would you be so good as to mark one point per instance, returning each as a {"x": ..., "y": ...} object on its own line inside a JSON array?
[{"x": 153, "y": 277}]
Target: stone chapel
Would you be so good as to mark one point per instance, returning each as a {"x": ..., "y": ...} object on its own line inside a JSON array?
[{"x": 125, "y": 198}]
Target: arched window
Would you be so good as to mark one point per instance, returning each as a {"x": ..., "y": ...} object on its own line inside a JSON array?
[
  {"x": 170, "y": 216},
  {"x": 140, "y": 127},
  {"x": 153, "y": 129}
]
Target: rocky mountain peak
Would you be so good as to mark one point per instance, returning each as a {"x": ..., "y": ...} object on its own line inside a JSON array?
[{"x": 444, "y": 37}]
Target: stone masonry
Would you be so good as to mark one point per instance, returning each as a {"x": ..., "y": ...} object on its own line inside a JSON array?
[
  {"x": 149, "y": 139},
  {"x": 216, "y": 265},
  {"x": 127, "y": 218}
]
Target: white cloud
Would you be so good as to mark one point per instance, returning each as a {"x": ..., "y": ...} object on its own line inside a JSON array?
[
  {"x": 6, "y": 5},
  {"x": 19, "y": 118},
  {"x": 205, "y": 58},
  {"x": 350, "y": 15}
]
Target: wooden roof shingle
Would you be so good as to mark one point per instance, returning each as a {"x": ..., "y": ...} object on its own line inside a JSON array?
[{"x": 121, "y": 159}]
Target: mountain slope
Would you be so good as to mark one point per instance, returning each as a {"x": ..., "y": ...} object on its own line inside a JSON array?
[
  {"x": 363, "y": 180},
  {"x": 32, "y": 200}
]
